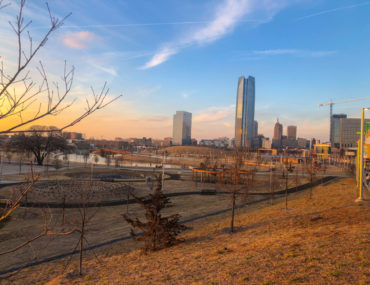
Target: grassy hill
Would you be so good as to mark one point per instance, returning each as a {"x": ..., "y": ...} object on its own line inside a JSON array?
[{"x": 323, "y": 240}]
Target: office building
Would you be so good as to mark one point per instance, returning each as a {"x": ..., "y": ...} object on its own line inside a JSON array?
[
  {"x": 256, "y": 141},
  {"x": 346, "y": 131},
  {"x": 278, "y": 134},
  {"x": 291, "y": 132},
  {"x": 313, "y": 141},
  {"x": 291, "y": 137},
  {"x": 266, "y": 143},
  {"x": 334, "y": 120},
  {"x": 255, "y": 129},
  {"x": 335, "y": 131},
  {"x": 182, "y": 128},
  {"x": 303, "y": 143},
  {"x": 244, "y": 114}
]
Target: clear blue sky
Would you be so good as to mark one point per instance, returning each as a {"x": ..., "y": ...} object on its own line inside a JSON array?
[{"x": 168, "y": 55}]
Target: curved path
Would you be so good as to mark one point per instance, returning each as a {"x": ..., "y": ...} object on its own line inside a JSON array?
[{"x": 132, "y": 201}]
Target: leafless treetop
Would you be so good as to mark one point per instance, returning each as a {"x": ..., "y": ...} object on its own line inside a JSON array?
[{"x": 20, "y": 92}]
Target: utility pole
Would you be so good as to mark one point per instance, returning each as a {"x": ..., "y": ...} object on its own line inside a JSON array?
[
  {"x": 271, "y": 182},
  {"x": 361, "y": 158},
  {"x": 163, "y": 171},
  {"x": 1, "y": 166}
]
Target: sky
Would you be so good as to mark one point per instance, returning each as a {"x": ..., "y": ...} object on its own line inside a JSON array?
[{"x": 169, "y": 55}]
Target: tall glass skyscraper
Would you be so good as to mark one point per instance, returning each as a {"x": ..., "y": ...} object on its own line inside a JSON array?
[
  {"x": 244, "y": 115},
  {"x": 181, "y": 128}
]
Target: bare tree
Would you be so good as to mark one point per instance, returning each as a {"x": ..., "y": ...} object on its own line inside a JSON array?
[
  {"x": 235, "y": 180},
  {"x": 47, "y": 231},
  {"x": 21, "y": 96},
  {"x": 206, "y": 163},
  {"x": 84, "y": 190},
  {"x": 83, "y": 219},
  {"x": 274, "y": 184},
  {"x": 312, "y": 168},
  {"x": 15, "y": 103},
  {"x": 287, "y": 168},
  {"x": 86, "y": 155},
  {"x": 40, "y": 143},
  {"x": 11, "y": 205},
  {"x": 20, "y": 160}
]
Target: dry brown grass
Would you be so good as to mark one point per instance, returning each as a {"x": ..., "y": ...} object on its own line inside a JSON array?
[{"x": 324, "y": 240}]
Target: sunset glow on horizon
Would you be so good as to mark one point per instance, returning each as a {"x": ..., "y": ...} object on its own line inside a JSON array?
[{"x": 177, "y": 56}]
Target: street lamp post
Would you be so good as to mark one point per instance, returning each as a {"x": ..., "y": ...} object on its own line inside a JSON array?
[
  {"x": 163, "y": 164},
  {"x": 361, "y": 158}
]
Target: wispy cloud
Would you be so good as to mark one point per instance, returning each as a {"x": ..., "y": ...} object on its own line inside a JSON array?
[
  {"x": 226, "y": 17},
  {"x": 215, "y": 114},
  {"x": 144, "y": 91},
  {"x": 78, "y": 40},
  {"x": 137, "y": 24},
  {"x": 333, "y": 10},
  {"x": 275, "y": 51},
  {"x": 109, "y": 70},
  {"x": 160, "y": 57},
  {"x": 295, "y": 52}
]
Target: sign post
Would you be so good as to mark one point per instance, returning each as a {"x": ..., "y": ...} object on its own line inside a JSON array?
[{"x": 361, "y": 158}]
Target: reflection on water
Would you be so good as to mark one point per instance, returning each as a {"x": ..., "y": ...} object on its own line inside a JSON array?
[{"x": 97, "y": 159}]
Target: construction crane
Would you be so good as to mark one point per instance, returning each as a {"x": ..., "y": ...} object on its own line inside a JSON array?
[{"x": 331, "y": 103}]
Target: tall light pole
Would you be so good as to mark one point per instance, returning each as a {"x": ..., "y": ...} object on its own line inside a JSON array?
[
  {"x": 163, "y": 164},
  {"x": 1, "y": 166},
  {"x": 361, "y": 158}
]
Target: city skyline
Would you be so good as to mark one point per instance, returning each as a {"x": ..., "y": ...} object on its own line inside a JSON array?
[{"x": 190, "y": 54}]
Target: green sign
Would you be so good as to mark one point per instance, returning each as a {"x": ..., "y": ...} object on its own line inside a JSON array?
[{"x": 367, "y": 127}]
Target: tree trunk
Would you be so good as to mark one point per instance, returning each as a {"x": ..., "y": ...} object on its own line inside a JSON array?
[
  {"x": 232, "y": 211},
  {"x": 40, "y": 160},
  {"x": 286, "y": 192},
  {"x": 81, "y": 248},
  {"x": 82, "y": 239},
  {"x": 271, "y": 191}
]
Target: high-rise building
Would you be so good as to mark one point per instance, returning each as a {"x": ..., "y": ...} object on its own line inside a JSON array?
[
  {"x": 182, "y": 128},
  {"x": 244, "y": 114},
  {"x": 313, "y": 141},
  {"x": 291, "y": 137},
  {"x": 278, "y": 134},
  {"x": 346, "y": 131},
  {"x": 335, "y": 131},
  {"x": 255, "y": 129},
  {"x": 256, "y": 140},
  {"x": 291, "y": 132},
  {"x": 303, "y": 143}
]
